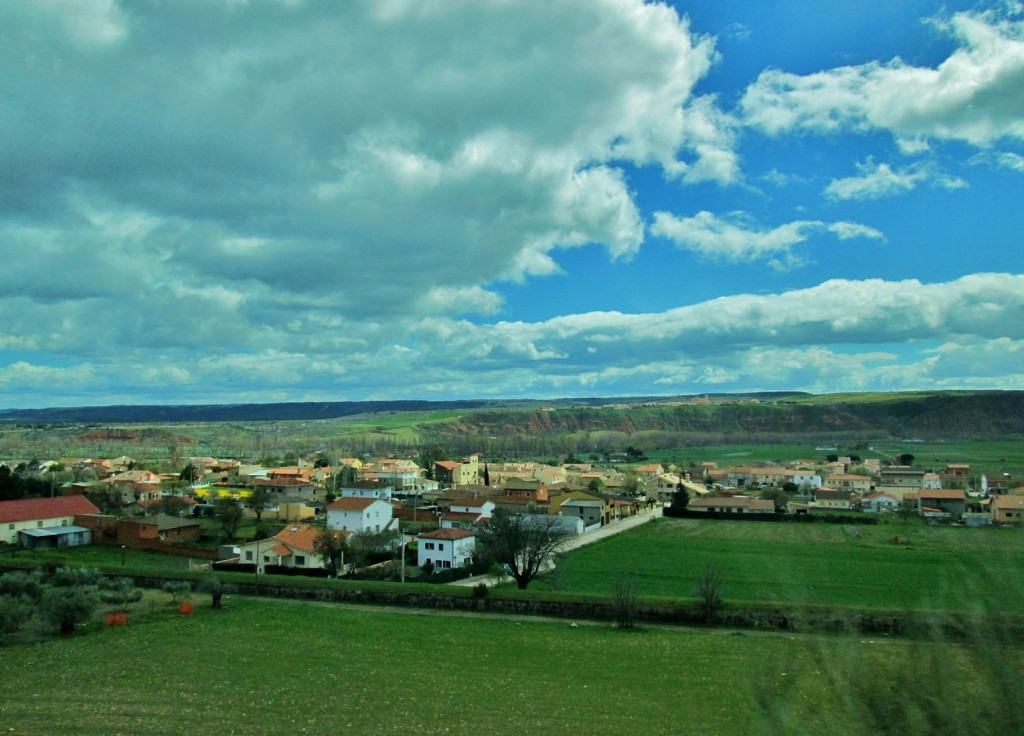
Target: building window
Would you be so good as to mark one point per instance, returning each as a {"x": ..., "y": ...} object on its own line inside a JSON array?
[
  {"x": 300, "y": 560},
  {"x": 248, "y": 555},
  {"x": 428, "y": 545},
  {"x": 266, "y": 558},
  {"x": 39, "y": 524}
]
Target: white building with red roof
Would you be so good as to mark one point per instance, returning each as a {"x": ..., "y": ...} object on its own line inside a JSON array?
[
  {"x": 40, "y": 513},
  {"x": 360, "y": 515},
  {"x": 293, "y": 546},
  {"x": 446, "y": 548}
]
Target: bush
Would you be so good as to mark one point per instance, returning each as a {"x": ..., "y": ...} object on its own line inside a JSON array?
[
  {"x": 119, "y": 592},
  {"x": 234, "y": 566},
  {"x": 709, "y": 593},
  {"x": 625, "y": 601},
  {"x": 14, "y": 611},
  {"x": 480, "y": 590},
  {"x": 68, "y": 606},
  {"x": 177, "y": 588},
  {"x": 217, "y": 590},
  {"x": 20, "y": 583},
  {"x": 71, "y": 577},
  {"x": 308, "y": 572}
]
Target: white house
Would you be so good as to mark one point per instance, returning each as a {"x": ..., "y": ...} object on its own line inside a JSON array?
[
  {"x": 446, "y": 548},
  {"x": 806, "y": 479},
  {"x": 359, "y": 515},
  {"x": 880, "y": 501},
  {"x": 293, "y": 546},
  {"x": 368, "y": 489},
  {"x": 40, "y": 513},
  {"x": 464, "y": 513}
]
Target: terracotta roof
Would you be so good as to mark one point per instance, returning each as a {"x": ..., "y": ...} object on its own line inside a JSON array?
[
  {"x": 473, "y": 503},
  {"x": 281, "y": 482},
  {"x": 1008, "y": 502},
  {"x": 879, "y": 494},
  {"x": 300, "y": 536},
  {"x": 730, "y": 502},
  {"x": 351, "y": 503},
  {"x": 447, "y": 464},
  {"x": 953, "y": 494},
  {"x": 464, "y": 516},
  {"x": 32, "y": 509},
  {"x": 280, "y": 549},
  {"x": 448, "y": 534}
]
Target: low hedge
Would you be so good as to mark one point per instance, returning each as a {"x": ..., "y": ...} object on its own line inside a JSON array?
[{"x": 652, "y": 610}]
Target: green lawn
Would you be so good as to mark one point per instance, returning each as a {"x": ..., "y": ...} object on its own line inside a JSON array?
[
  {"x": 273, "y": 667},
  {"x": 97, "y": 555},
  {"x": 940, "y": 568}
]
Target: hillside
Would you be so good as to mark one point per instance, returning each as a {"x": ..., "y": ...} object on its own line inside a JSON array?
[
  {"x": 930, "y": 416},
  {"x": 665, "y": 420}
]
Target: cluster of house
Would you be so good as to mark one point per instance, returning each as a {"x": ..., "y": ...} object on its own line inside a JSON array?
[
  {"x": 829, "y": 487},
  {"x": 445, "y": 513}
]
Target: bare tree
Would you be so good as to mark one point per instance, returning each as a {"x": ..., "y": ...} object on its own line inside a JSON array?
[
  {"x": 709, "y": 592},
  {"x": 524, "y": 543},
  {"x": 330, "y": 545},
  {"x": 625, "y": 601},
  {"x": 258, "y": 501}
]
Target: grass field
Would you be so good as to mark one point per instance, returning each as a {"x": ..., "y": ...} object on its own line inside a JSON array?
[
  {"x": 270, "y": 667},
  {"x": 939, "y": 568}
]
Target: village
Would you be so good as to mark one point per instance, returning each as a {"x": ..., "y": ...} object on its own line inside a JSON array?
[{"x": 382, "y": 504}]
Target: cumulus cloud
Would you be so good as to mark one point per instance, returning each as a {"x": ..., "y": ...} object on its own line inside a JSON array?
[
  {"x": 841, "y": 334},
  {"x": 972, "y": 96},
  {"x": 279, "y": 149},
  {"x": 877, "y": 180},
  {"x": 738, "y": 238}
]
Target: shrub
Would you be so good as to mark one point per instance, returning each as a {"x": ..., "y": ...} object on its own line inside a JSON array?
[
  {"x": 625, "y": 601},
  {"x": 14, "y": 611},
  {"x": 119, "y": 592},
  {"x": 71, "y": 577},
  {"x": 480, "y": 590},
  {"x": 176, "y": 589},
  {"x": 217, "y": 590},
  {"x": 709, "y": 593},
  {"x": 19, "y": 583},
  {"x": 68, "y": 606}
]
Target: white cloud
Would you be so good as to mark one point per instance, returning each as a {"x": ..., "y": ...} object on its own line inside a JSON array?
[
  {"x": 972, "y": 96},
  {"x": 877, "y": 180},
  {"x": 737, "y": 238},
  {"x": 1001, "y": 159},
  {"x": 278, "y": 149},
  {"x": 841, "y": 334}
]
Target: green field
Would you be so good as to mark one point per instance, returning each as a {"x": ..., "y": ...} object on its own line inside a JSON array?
[
  {"x": 271, "y": 667},
  {"x": 938, "y": 568}
]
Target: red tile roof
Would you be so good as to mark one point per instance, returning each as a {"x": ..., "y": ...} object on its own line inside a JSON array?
[
  {"x": 32, "y": 509},
  {"x": 949, "y": 494},
  {"x": 351, "y": 504},
  {"x": 301, "y": 537},
  {"x": 448, "y": 534}
]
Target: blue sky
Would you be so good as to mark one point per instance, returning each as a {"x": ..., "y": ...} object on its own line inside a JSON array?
[{"x": 291, "y": 200}]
